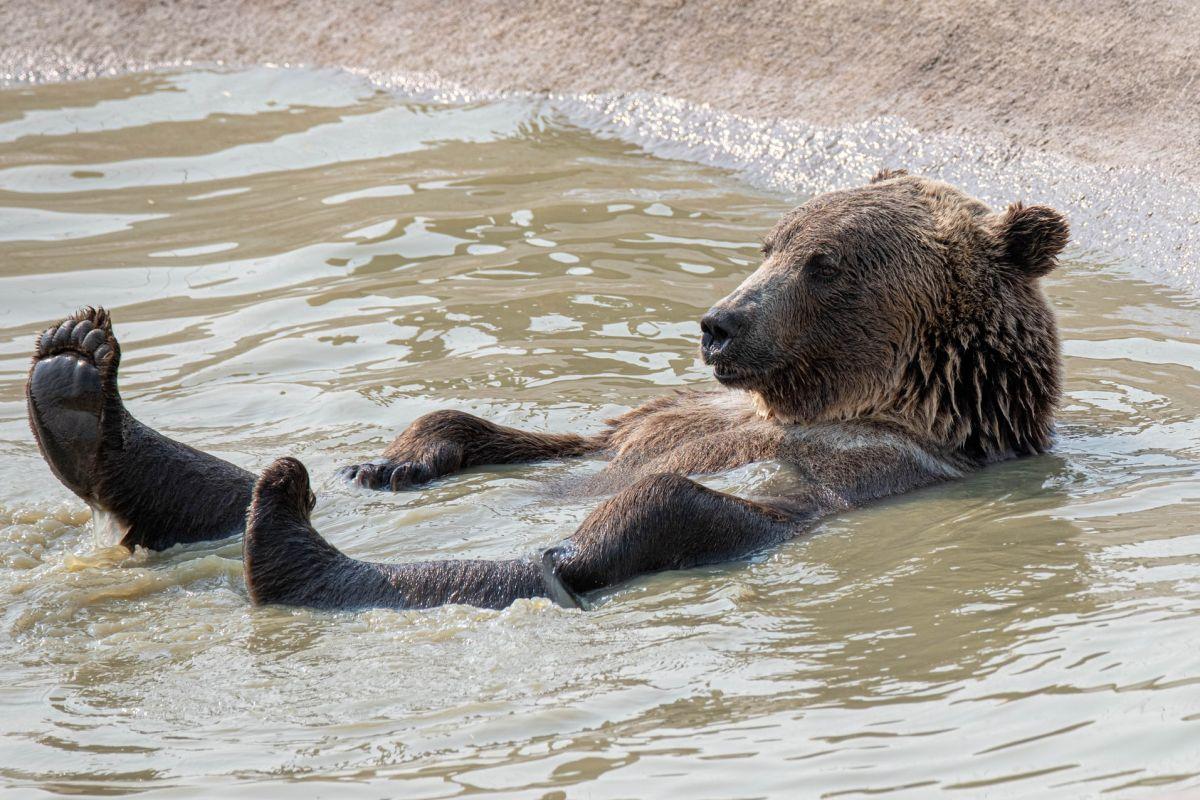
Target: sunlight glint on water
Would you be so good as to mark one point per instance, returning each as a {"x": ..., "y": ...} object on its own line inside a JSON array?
[{"x": 300, "y": 264}]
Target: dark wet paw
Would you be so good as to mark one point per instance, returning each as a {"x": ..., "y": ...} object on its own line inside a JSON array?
[
  {"x": 285, "y": 484},
  {"x": 283, "y": 558},
  {"x": 388, "y": 475},
  {"x": 71, "y": 382}
]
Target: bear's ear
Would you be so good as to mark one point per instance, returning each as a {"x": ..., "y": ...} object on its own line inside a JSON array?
[
  {"x": 1031, "y": 238},
  {"x": 888, "y": 174}
]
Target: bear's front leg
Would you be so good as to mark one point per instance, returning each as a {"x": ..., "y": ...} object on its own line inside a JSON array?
[
  {"x": 665, "y": 522},
  {"x": 444, "y": 442}
]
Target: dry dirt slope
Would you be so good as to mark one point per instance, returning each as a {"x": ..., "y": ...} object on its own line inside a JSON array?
[{"x": 1105, "y": 81}]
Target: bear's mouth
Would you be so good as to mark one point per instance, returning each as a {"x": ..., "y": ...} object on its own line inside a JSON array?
[{"x": 733, "y": 377}]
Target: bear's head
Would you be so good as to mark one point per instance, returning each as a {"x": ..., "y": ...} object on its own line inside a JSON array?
[{"x": 907, "y": 301}]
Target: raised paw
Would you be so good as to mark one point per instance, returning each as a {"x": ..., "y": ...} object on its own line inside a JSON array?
[
  {"x": 283, "y": 558},
  {"x": 72, "y": 396},
  {"x": 388, "y": 475}
]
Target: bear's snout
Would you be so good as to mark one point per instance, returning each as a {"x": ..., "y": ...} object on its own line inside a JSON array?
[{"x": 720, "y": 326}]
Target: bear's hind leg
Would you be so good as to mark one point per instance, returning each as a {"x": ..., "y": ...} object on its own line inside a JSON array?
[
  {"x": 154, "y": 491},
  {"x": 287, "y": 562},
  {"x": 658, "y": 523}
]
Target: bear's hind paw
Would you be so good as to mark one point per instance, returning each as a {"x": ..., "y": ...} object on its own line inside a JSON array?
[{"x": 73, "y": 404}]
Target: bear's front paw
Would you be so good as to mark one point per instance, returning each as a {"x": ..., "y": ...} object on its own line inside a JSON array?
[{"x": 388, "y": 475}]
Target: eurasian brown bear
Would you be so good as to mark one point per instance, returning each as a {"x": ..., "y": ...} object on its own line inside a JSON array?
[{"x": 894, "y": 336}]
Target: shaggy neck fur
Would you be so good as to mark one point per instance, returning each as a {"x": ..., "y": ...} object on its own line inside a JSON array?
[{"x": 990, "y": 397}]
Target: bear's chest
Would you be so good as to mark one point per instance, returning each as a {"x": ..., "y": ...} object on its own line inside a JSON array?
[{"x": 695, "y": 432}]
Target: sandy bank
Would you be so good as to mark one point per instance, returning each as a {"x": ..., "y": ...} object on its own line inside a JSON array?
[{"x": 1107, "y": 82}]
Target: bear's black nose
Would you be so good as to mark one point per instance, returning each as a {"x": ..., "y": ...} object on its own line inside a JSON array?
[{"x": 720, "y": 326}]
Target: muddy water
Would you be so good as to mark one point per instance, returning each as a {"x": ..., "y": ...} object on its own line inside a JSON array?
[{"x": 300, "y": 264}]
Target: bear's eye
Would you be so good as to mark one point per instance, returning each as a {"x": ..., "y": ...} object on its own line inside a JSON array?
[
  {"x": 822, "y": 266},
  {"x": 766, "y": 249}
]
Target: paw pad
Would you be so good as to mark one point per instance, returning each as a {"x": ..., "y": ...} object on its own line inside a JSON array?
[{"x": 88, "y": 333}]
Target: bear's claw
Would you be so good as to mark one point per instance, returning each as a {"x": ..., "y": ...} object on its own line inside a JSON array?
[
  {"x": 393, "y": 475},
  {"x": 87, "y": 332},
  {"x": 556, "y": 588}
]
